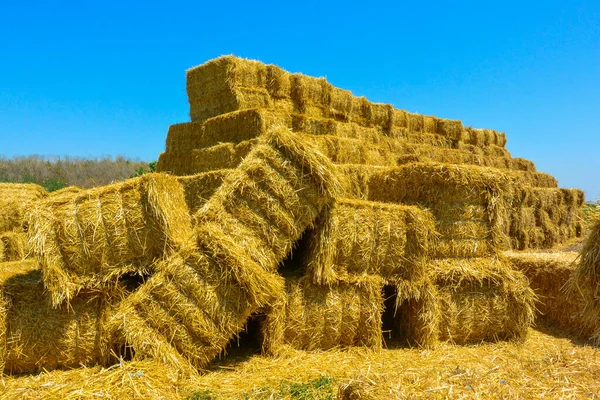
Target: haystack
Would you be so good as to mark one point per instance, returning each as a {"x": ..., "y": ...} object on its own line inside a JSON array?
[
  {"x": 87, "y": 240},
  {"x": 14, "y": 201},
  {"x": 585, "y": 281},
  {"x": 35, "y": 336},
  {"x": 199, "y": 299},
  {"x": 320, "y": 317},
  {"x": 549, "y": 275},
  {"x": 13, "y": 246},
  {"x": 481, "y": 299},
  {"x": 355, "y": 238}
]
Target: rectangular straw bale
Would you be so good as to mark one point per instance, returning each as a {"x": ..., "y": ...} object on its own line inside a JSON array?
[
  {"x": 87, "y": 240},
  {"x": 38, "y": 336},
  {"x": 548, "y": 275},
  {"x": 14, "y": 200},
  {"x": 482, "y": 299},
  {"x": 354, "y": 238},
  {"x": 13, "y": 246},
  {"x": 451, "y": 129},
  {"x": 438, "y": 186},
  {"x": 224, "y": 85},
  {"x": 220, "y": 156},
  {"x": 353, "y": 151},
  {"x": 319, "y": 317},
  {"x": 200, "y": 187}
]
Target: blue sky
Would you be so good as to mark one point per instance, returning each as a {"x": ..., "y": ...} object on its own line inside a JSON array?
[{"x": 89, "y": 78}]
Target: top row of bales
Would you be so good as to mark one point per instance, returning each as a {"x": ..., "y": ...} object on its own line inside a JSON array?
[{"x": 229, "y": 84}]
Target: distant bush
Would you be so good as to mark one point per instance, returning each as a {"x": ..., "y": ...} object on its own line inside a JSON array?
[{"x": 55, "y": 173}]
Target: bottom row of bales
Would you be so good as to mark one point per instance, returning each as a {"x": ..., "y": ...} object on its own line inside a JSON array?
[
  {"x": 395, "y": 295},
  {"x": 461, "y": 302}
]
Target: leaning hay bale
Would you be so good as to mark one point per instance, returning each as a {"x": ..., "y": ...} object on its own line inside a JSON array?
[
  {"x": 548, "y": 275},
  {"x": 87, "y": 240},
  {"x": 41, "y": 337},
  {"x": 199, "y": 299},
  {"x": 191, "y": 308},
  {"x": 356, "y": 238},
  {"x": 200, "y": 187},
  {"x": 13, "y": 246},
  {"x": 482, "y": 299},
  {"x": 14, "y": 199},
  {"x": 274, "y": 195},
  {"x": 320, "y": 317},
  {"x": 585, "y": 280}
]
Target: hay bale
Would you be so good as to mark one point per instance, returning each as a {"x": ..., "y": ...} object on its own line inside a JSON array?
[
  {"x": 200, "y": 187},
  {"x": 14, "y": 200},
  {"x": 38, "y": 336},
  {"x": 220, "y": 156},
  {"x": 355, "y": 238},
  {"x": 87, "y": 240},
  {"x": 549, "y": 275},
  {"x": 199, "y": 299},
  {"x": 320, "y": 317},
  {"x": 482, "y": 299},
  {"x": 445, "y": 188},
  {"x": 585, "y": 281},
  {"x": 13, "y": 246}
]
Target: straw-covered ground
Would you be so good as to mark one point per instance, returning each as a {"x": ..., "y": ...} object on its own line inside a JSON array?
[{"x": 545, "y": 366}]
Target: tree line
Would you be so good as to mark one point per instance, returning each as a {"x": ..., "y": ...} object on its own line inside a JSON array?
[{"x": 55, "y": 173}]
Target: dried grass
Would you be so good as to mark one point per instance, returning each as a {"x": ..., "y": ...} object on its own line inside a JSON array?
[
  {"x": 200, "y": 187},
  {"x": 87, "y": 240},
  {"x": 544, "y": 366},
  {"x": 229, "y": 84}
]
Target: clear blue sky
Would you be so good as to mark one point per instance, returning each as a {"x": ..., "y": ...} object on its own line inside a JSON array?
[{"x": 93, "y": 78}]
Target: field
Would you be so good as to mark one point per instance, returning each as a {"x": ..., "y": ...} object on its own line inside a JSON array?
[{"x": 546, "y": 365}]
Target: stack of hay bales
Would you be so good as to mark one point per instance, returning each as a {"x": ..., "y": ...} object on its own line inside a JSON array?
[
  {"x": 403, "y": 219},
  {"x": 475, "y": 191}
]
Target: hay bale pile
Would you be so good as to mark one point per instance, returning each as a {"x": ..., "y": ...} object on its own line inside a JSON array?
[{"x": 331, "y": 220}]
